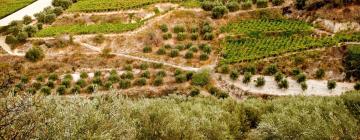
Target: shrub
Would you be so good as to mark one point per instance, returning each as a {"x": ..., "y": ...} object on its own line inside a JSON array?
[
  {"x": 189, "y": 75},
  {"x": 147, "y": 49},
  {"x": 177, "y": 72},
  {"x": 161, "y": 73},
  {"x": 167, "y": 36},
  {"x": 27, "y": 19},
  {"x": 206, "y": 28},
  {"x": 261, "y": 3},
  {"x": 128, "y": 67},
  {"x": 189, "y": 55},
  {"x": 30, "y": 30},
  {"x": 304, "y": 86},
  {"x": 53, "y": 77},
  {"x": 271, "y": 69},
  {"x": 164, "y": 28},
  {"x": 11, "y": 39},
  {"x": 247, "y": 77},
  {"x": 91, "y": 88},
  {"x": 295, "y": 71},
  {"x": 234, "y": 75},
  {"x": 40, "y": 78},
  {"x": 114, "y": 78},
  {"x": 144, "y": 66},
  {"x": 106, "y": 52},
  {"x": 140, "y": 82},
  {"x": 320, "y": 73},
  {"x": 208, "y": 5},
  {"x": 284, "y": 83},
  {"x": 58, "y": 11},
  {"x": 84, "y": 75},
  {"x": 75, "y": 90},
  {"x": 145, "y": 74},
  {"x": 158, "y": 81},
  {"x": 224, "y": 69},
  {"x": 35, "y": 54},
  {"x": 39, "y": 26},
  {"x": 331, "y": 84},
  {"x": 300, "y": 78},
  {"x": 357, "y": 86},
  {"x": 193, "y": 49},
  {"x": 108, "y": 85},
  {"x": 36, "y": 85},
  {"x": 157, "y": 65},
  {"x": 180, "y": 78},
  {"x": 206, "y": 49},
  {"x": 45, "y": 90},
  {"x": 180, "y": 47},
  {"x": 194, "y": 29},
  {"x": 233, "y": 6},
  {"x": 97, "y": 81},
  {"x": 219, "y": 11},
  {"x": 68, "y": 77},
  {"x": 279, "y": 76},
  {"x": 300, "y": 4},
  {"x": 161, "y": 51},
  {"x": 194, "y": 36},
  {"x": 181, "y": 36},
  {"x": 277, "y": 2},
  {"x": 188, "y": 45},
  {"x": 49, "y": 18},
  {"x": 208, "y": 36},
  {"x": 204, "y": 57},
  {"x": 201, "y": 78},
  {"x": 81, "y": 83},
  {"x": 61, "y": 90},
  {"x": 124, "y": 84},
  {"x": 174, "y": 53},
  {"x": 97, "y": 74},
  {"x": 194, "y": 91},
  {"x": 127, "y": 75},
  {"x": 50, "y": 84},
  {"x": 167, "y": 46},
  {"x": 260, "y": 81},
  {"x": 66, "y": 83},
  {"x": 31, "y": 90},
  {"x": 352, "y": 62},
  {"x": 179, "y": 29},
  {"x": 24, "y": 79},
  {"x": 65, "y": 4}
]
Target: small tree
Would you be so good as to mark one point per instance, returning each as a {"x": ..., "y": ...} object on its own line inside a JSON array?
[
  {"x": 97, "y": 74},
  {"x": 66, "y": 83},
  {"x": 260, "y": 81},
  {"x": 91, "y": 88},
  {"x": 50, "y": 84},
  {"x": 201, "y": 78},
  {"x": 224, "y": 69},
  {"x": 295, "y": 71},
  {"x": 158, "y": 81},
  {"x": 68, "y": 77},
  {"x": 357, "y": 86},
  {"x": 189, "y": 55},
  {"x": 10, "y": 39},
  {"x": 174, "y": 53},
  {"x": 124, "y": 84},
  {"x": 84, "y": 75},
  {"x": 194, "y": 91},
  {"x": 261, "y": 3},
  {"x": 97, "y": 81},
  {"x": 49, "y": 18},
  {"x": 331, "y": 84},
  {"x": 45, "y": 90},
  {"x": 81, "y": 83},
  {"x": 164, "y": 28},
  {"x": 194, "y": 36},
  {"x": 219, "y": 11},
  {"x": 22, "y": 36},
  {"x": 30, "y": 30},
  {"x": 204, "y": 57},
  {"x": 24, "y": 79},
  {"x": 233, "y": 6},
  {"x": 53, "y": 77},
  {"x": 161, "y": 73},
  {"x": 144, "y": 66},
  {"x": 234, "y": 75},
  {"x": 147, "y": 49},
  {"x": 75, "y": 90},
  {"x": 27, "y": 19},
  {"x": 278, "y": 76},
  {"x": 161, "y": 51},
  {"x": 320, "y": 73},
  {"x": 58, "y": 11},
  {"x": 208, "y": 5},
  {"x": 108, "y": 85},
  {"x": 304, "y": 86},
  {"x": 300, "y": 78},
  {"x": 246, "y": 5},
  {"x": 208, "y": 36},
  {"x": 181, "y": 36},
  {"x": 271, "y": 69},
  {"x": 35, "y": 54},
  {"x": 128, "y": 67},
  {"x": 62, "y": 3},
  {"x": 167, "y": 36},
  {"x": 127, "y": 75},
  {"x": 284, "y": 83},
  {"x": 61, "y": 90},
  {"x": 145, "y": 74},
  {"x": 179, "y": 29},
  {"x": 40, "y": 78},
  {"x": 247, "y": 77},
  {"x": 140, "y": 82}
]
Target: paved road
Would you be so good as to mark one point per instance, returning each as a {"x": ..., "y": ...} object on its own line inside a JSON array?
[{"x": 30, "y": 10}]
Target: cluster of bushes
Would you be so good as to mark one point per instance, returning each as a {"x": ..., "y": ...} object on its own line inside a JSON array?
[
  {"x": 193, "y": 33},
  {"x": 19, "y": 31},
  {"x": 191, "y": 51},
  {"x": 177, "y": 117}
]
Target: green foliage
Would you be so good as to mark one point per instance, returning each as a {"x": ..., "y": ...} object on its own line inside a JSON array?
[
  {"x": 114, "y": 78},
  {"x": 181, "y": 78},
  {"x": 224, "y": 69},
  {"x": 208, "y": 5},
  {"x": 68, "y": 77},
  {"x": 161, "y": 51},
  {"x": 22, "y": 36},
  {"x": 201, "y": 78},
  {"x": 164, "y": 28},
  {"x": 35, "y": 54},
  {"x": 180, "y": 47},
  {"x": 53, "y": 77},
  {"x": 271, "y": 69},
  {"x": 46, "y": 90},
  {"x": 277, "y": 2},
  {"x": 331, "y": 84},
  {"x": 81, "y": 82},
  {"x": 127, "y": 75},
  {"x": 283, "y": 84},
  {"x": 91, "y": 88},
  {"x": 181, "y": 36},
  {"x": 124, "y": 84},
  {"x": 167, "y": 36},
  {"x": 58, "y": 11},
  {"x": 50, "y": 84},
  {"x": 145, "y": 74},
  {"x": 295, "y": 71},
  {"x": 189, "y": 55},
  {"x": 194, "y": 36},
  {"x": 204, "y": 57},
  {"x": 158, "y": 81},
  {"x": 140, "y": 82},
  {"x": 30, "y": 30},
  {"x": 108, "y": 85},
  {"x": 97, "y": 81},
  {"x": 246, "y": 5},
  {"x": 161, "y": 73},
  {"x": 193, "y": 49},
  {"x": 194, "y": 91},
  {"x": 233, "y": 6},
  {"x": 167, "y": 46},
  {"x": 320, "y": 73},
  {"x": 206, "y": 48},
  {"x": 147, "y": 49},
  {"x": 61, "y": 90},
  {"x": 279, "y": 76},
  {"x": 208, "y": 36},
  {"x": 301, "y": 78},
  {"x": 178, "y": 29},
  {"x": 300, "y": 4},
  {"x": 10, "y": 6},
  {"x": 36, "y": 85},
  {"x": 234, "y": 75},
  {"x": 128, "y": 67},
  {"x": 304, "y": 86},
  {"x": 66, "y": 83},
  {"x": 247, "y": 77},
  {"x": 84, "y": 75},
  {"x": 40, "y": 78},
  {"x": 65, "y": 4},
  {"x": 352, "y": 62},
  {"x": 174, "y": 53},
  {"x": 352, "y": 103},
  {"x": 76, "y": 89},
  {"x": 11, "y": 39},
  {"x": 261, "y": 3},
  {"x": 260, "y": 81},
  {"x": 24, "y": 79}
]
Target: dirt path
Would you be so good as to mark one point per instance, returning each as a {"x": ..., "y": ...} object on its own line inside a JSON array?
[
  {"x": 30, "y": 10},
  {"x": 7, "y": 48},
  {"x": 315, "y": 87}
]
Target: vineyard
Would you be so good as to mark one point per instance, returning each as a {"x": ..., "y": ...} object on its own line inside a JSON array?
[
  {"x": 9, "y": 6},
  {"x": 266, "y": 25},
  {"x": 88, "y": 29},
  {"x": 111, "y": 5}
]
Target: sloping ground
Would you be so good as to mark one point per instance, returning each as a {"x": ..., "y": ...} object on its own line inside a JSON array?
[{"x": 30, "y": 10}]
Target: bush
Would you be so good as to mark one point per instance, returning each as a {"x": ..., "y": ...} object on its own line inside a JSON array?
[
  {"x": 167, "y": 46},
  {"x": 284, "y": 83},
  {"x": 114, "y": 78},
  {"x": 234, "y": 75},
  {"x": 189, "y": 55},
  {"x": 247, "y": 77},
  {"x": 300, "y": 4},
  {"x": 233, "y": 6},
  {"x": 10, "y": 39},
  {"x": 84, "y": 75},
  {"x": 320, "y": 73},
  {"x": 35, "y": 54},
  {"x": 181, "y": 36},
  {"x": 167, "y": 36},
  {"x": 147, "y": 49},
  {"x": 206, "y": 49},
  {"x": 174, "y": 53},
  {"x": 208, "y": 36},
  {"x": 219, "y": 11},
  {"x": 108, "y": 85},
  {"x": 279, "y": 76},
  {"x": 277, "y": 2},
  {"x": 208, "y": 5},
  {"x": 181, "y": 78},
  {"x": 271, "y": 69},
  {"x": 201, "y": 78},
  {"x": 75, "y": 90},
  {"x": 194, "y": 91},
  {"x": 27, "y": 19},
  {"x": 193, "y": 49},
  {"x": 66, "y": 83},
  {"x": 204, "y": 57},
  {"x": 128, "y": 67},
  {"x": 295, "y": 71},
  {"x": 50, "y": 84},
  {"x": 300, "y": 78},
  {"x": 58, "y": 11},
  {"x": 157, "y": 65},
  {"x": 49, "y": 18},
  {"x": 352, "y": 62},
  {"x": 24, "y": 79},
  {"x": 189, "y": 75},
  {"x": 180, "y": 47},
  {"x": 224, "y": 69},
  {"x": 40, "y": 78},
  {"x": 22, "y": 36},
  {"x": 194, "y": 29},
  {"x": 61, "y": 90},
  {"x": 140, "y": 82},
  {"x": 53, "y": 77},
  {"x": 260, "y": 81},
  {"x": 124, "y": 84},
  {"x": 68, "y": 77},
  {"x": 206, "y": 28},
  {"x": 39, "y": 26},
  {"x": 357, "y": 86},
  {"x": 127, "y": 75},
  {"x": 161, "y": 51},
  {"x": 30, "y": 30},
  {"x": 97, "y": 74},
  {"x": 178, "y": 29},
  {"x": 158, "y": 81},
  {"x": 81, "y": 83},
  {"x": 36, "y": 85},
  {"x": 164, "y": 28},
  {"x": 144, "y": 66},
  {"x": 304, "y": 86},
  {"x": 65, "y": 4},
  {"x": 91, "y": 88},
  {"x": 331, "y": 84},
  {"x": 177, "y": 72},
  {"x": 161, "y": 73},
  {"x": 45, "y": 90},
  {"x": 261, "y": 3},
  {"x": 194, "y": 36},
  {"x": 145, "y": 74},
  {"x": 97, "y": 81}
]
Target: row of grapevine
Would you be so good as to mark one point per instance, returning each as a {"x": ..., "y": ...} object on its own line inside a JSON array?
[
  {"x": 251, "y": 49},
  {"x": 88, "y": 29},
  {"x": 112, "y": 5},
  {"x": 9, "y": 6}
]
